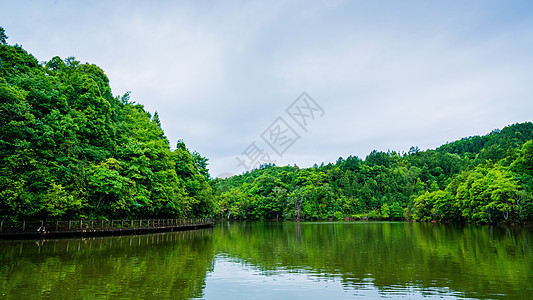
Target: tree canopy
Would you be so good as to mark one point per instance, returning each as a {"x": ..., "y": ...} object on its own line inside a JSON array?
[
  {"x": 69, "y": 148},
  {"x": 3, "y": 36},
  {"x": 482, "y": 179}
]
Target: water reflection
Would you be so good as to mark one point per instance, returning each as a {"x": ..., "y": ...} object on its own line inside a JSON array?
[
  {"x": 442, "y": 259},
  {"x": 146, "y": 266},
  {"x": 231, "y": 278},
  {"x": 268, "y": 260}
]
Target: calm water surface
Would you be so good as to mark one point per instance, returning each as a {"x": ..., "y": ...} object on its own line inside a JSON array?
[{"x": 278, "y": 260}]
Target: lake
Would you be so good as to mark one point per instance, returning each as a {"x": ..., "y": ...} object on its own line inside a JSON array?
[{"x": 286, "y": 260}]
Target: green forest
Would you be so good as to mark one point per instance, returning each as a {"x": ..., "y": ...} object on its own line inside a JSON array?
[
  {"x": 480, "y": 179},
  {"x": 70, "y": 149}
]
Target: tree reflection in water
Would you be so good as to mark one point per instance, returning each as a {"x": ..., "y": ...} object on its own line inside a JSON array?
[{"x": 391, "y": 259}]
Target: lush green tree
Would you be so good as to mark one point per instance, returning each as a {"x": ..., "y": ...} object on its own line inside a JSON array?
[
  {"x": 396, "y": 211},
  {"x": 488, "y": 196},
  {"x": 3, "y": 36},
  {"x": 482, "y": 179},
  {"x": 201, "y": 163},
  {"x": 70, "y": 149}
]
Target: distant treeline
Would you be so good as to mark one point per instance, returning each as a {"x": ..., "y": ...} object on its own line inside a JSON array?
[
  {"x": 70, "y": 149},
  {"x": 480, "y": 179}
]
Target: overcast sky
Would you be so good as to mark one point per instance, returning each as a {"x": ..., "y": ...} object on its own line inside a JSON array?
[{"x": 223, "y": 75}]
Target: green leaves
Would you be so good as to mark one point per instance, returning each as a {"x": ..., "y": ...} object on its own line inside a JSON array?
[
  {"x": 57, "y": 202},
  {"x": 487, "y": 196},
  {"x": 3, "y": 36},
  {"x": 485, "y": 179},
  {"x": 70, "y": 149}
]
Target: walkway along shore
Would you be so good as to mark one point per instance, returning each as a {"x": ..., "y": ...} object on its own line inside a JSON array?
[{"x": 86, "y": 228}]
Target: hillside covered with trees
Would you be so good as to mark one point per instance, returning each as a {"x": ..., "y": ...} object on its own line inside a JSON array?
[
  {"x": 70, "y": 149},
  {"x": 481, "y": 179}
]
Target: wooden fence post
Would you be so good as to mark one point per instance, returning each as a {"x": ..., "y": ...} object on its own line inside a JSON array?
[{"x": 24, "y": 225}]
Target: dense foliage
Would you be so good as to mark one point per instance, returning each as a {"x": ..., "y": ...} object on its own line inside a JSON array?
[
  {"x": 69, "y": 148},
  {"x": 482, "y": 179}
]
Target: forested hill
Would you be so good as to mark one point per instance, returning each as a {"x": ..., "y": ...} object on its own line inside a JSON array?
[
  {"x": 492, "y": 146},
  {"x": 70, "y": 149},
  {"x": 480, "y": 179}
]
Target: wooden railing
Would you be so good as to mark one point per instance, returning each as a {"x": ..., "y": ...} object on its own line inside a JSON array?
[{"x": 98, "y": 225}]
